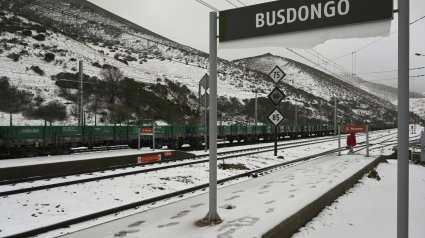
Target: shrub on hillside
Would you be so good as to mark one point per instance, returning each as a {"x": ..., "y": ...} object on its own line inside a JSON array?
[
  {"x": 14, "y": 56},
  {"x": 96, "y": 64},
  {"x": 54, "y": 110},
  {"x": 37, "y": 70},
  {"x": 39, "y": 37},
  {"x": 27, "y": 33},
  {"x": 13, "y": 99},
  {"x": 49, "y": 57},
  {"x": 73, "y": 59}
]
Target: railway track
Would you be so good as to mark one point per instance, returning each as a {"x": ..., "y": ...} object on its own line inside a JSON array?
[
  {"x": 203, "y": 187},
  {"x": 233, "y": 154},
  {"x": 63, "y": 175}
]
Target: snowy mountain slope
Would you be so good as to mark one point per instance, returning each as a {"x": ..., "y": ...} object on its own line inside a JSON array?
[
  {"x": 89, "y": 33},
  {"x": 311, "y": 80}
]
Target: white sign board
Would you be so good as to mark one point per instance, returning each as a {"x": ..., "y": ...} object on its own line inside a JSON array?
[
  {"x": 205, "y": 81},
  {"x": 277, "y": 74},
  {"x": 276, "y": 117}
]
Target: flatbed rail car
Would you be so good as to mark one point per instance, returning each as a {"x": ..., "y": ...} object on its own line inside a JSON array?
[{"x": 29, "y": 141}]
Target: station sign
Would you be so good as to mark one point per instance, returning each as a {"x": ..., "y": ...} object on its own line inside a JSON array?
[
  {"x": 146, "y": 131},
  {"x": 149, "y": 158},
  {"x": 289, "y": 16},
  {"x": 354, "y": 128}
]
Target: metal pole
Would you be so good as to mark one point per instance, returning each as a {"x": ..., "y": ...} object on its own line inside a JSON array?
[
  {"x": 153, "y": 137},
  {"x": 367, "y": 140},
  {"x": 403, "y": 121},
  {"x": 335, "y": 118},
  {"x": 275, "y": 134},
  {"x": 212, "y": 215},
  {"x": 206, "y": 121},
  {"x": 422, "y": 147},
  {"x": 256, "y": 105},
  {"x": 138, "y": 139},
  {"x": 296, "y": 111},
  {"x": 81, "y": 92},
  {"x": 275, "y": 140},
  {"x": 339, "y": 140}
]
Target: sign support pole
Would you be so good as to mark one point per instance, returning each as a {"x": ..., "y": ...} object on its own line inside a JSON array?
[
  {"x": 403, "y": 121},
  {"x": 275, "y": 134},
  {"x": 206, "y": 121},
  {"x": 367, "y": 140},
  {"x": 335, "y": 119},
  {"x": 212, "y": 215},
  {"x": 153, "y": 138},
  {"x": 422, "y": 147},
  {"x": 138, "y": 139},
  {"x": 339, "y": 140}
]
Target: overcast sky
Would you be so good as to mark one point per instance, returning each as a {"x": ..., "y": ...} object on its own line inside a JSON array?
[{"x": 186, "y": 22}]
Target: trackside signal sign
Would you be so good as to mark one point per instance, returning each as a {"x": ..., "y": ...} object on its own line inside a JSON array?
[
  {"x": 279, "y": 17},
  {"x": 354, "y": 128}
]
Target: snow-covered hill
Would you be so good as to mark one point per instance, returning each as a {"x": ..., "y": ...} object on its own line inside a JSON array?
[{"x": 74, "y": 30}]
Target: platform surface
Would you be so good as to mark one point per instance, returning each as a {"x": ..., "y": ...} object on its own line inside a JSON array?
[
  {"x": 260, "y": 204},
  {"x": 8, "y": 163}
]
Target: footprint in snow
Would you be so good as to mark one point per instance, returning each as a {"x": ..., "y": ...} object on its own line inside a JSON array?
[
  {"x": 238, "y": 191},
  {"x": 270, "y": 202},
  {"x": 270, "y": 210},
  {"x": 138, "y": 223},
  {"x": 263, "y": 192},
  {"x": 197, "y": 205},
  {"x": 169, "y": 224},
  {"x": 291, "y": 196},
  {"x": 231, "y": 198},
  {"x": 180, "y": 214},
  {"x": 124, "y": 233}
]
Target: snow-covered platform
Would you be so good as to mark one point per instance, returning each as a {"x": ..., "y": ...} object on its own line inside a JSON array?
[
  {"x": 273, "y": 205},
  {"x": 50, "y": 165}
]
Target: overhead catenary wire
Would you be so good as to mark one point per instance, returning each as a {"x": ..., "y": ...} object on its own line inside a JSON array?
[
  {"x": 231, "y": 3},
  {"x": 373, "y": 42},
  {"x": 389, "y": 71},
  {"x": 241, "y": 3},
  {"x": 207, "y": 5}
]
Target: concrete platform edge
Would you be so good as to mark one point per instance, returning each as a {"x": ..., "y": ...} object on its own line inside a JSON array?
[{"x": 291, "y": 225}]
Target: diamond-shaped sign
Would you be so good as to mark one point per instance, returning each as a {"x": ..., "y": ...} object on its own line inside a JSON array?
[
  {"x": 205, "y": 81},
  {"x": 276, "y": 117},
  {"x": 277, "y": 74},
  {"x": 276, "y": 96},
  {"x": 203, "y": 100}
]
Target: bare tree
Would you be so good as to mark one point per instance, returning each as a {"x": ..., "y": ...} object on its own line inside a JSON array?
[{"x": 111, "y": 78}]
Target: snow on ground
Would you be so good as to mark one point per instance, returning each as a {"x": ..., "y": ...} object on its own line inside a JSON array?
[
  {"x": 259, "y": 204},
  {"x": 46, "y": 207},
  {"x": 375, "y": 213}
]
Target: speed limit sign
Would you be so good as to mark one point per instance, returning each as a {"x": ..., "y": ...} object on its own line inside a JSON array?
[
  {"x": 276, "y": 117},
  {"x": 276, "y": 96},
  {"x": 277, "y": 74}
]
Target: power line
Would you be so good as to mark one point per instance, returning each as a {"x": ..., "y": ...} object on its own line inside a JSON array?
[
  {"x": 231, "y": 3},
  {"x": 389, "y": 71},
  {"x": 207, "y": 5},
  {"x": 241, "y": 3},
  {"x": 361, "y": 48}
]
